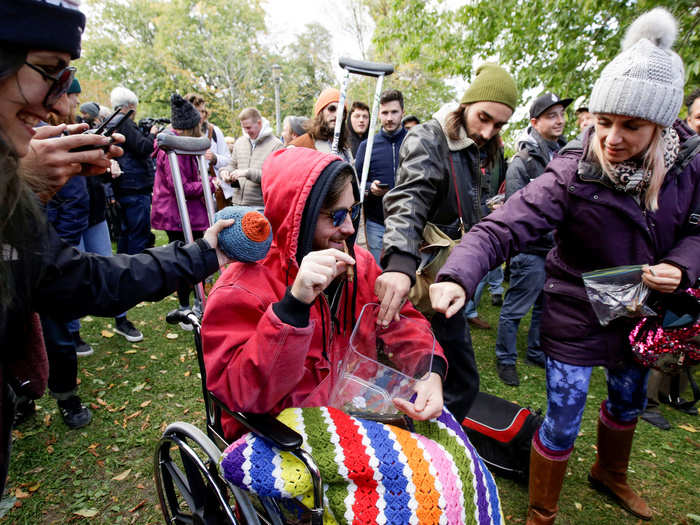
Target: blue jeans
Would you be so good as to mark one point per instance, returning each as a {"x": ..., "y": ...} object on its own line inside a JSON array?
[
  {"x": 526, "y": 283},
  {"x": 375, "y": 236},
  {"x": 135, "y": 222},
  {"x": 60, "y": 349},
  {"x": 96, "y": 240},
  {"x": 567, "y": 390},
  {"x": 495, "y": 281}
]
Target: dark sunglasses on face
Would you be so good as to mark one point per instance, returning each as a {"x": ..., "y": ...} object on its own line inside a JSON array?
[
  {"x": 60, "y": 83},
  {"x": 338, "y": 216},
  {"x": 332, "y": 108}
]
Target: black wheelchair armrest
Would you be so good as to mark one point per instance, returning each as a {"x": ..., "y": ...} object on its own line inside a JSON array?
[{"x": 264, "y": 425}]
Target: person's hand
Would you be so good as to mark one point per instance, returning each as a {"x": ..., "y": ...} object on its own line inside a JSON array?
[
  {"x": 662, "y": 277},
  {"x": 317, "y": 271},
  {"x": 238, "y": 173},
  {"x": 428, "y": 403},
  {"x": 376, "y": 190},
  {"x": 154, "y": 129},
  {"x": 212, "y": 237},
  {"x": 392, "y": 290},
  {"x": 447, "y": 297},
  {"x": 211, "y": 157},
  {"x": 115, "y": 169},
  {"x": 50, "y": 160}
]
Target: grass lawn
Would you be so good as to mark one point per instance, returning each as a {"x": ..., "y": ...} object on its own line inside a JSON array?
[{"x": 103, "y": 473}]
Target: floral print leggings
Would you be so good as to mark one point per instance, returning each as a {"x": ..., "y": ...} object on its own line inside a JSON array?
[{"x": 567, "y": 389}]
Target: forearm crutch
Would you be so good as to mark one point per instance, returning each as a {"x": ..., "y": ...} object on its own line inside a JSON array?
[
  {"x": 368, "y": 69},
  {"x": 175, "y": 145}
]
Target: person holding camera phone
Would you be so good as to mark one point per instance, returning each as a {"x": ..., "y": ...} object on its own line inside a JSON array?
[
  {"x": 382, "y": 166},
  {"x": 38, "y": 271}
]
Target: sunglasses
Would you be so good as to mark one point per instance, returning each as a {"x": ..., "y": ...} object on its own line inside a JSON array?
[
  {"x": 59, "y": 86},
  {"x": 338, "y": 216}
]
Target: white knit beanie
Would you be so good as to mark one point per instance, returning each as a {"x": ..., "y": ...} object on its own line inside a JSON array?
[{"x": 646, "y": 79}]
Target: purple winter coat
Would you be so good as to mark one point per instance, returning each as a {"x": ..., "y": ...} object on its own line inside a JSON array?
[
  {"x": 164, "y": 212},
  {"x": 596, "y": 227}
]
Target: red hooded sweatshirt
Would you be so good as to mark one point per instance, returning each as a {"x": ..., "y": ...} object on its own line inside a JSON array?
[{"x": 254, "y": 361}]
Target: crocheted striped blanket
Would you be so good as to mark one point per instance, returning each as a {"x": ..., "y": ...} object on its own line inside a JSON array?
[{"x": 372, "y": 472}]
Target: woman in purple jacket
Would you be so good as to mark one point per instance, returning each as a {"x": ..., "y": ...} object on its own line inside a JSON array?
[
  {"x": 628, "y": 193},
  {"x": 185, "y": 120}
]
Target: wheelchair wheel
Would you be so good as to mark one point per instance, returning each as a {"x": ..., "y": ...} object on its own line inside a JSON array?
[{"x": 190, "y": 489}]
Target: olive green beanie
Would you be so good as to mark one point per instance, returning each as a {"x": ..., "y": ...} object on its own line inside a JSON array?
[{"x": 492, "y": 84}]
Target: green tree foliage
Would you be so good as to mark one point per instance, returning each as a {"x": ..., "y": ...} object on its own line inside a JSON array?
[
  {"x": 556, "y": 45},
  {"x": 213, "y": 47}
]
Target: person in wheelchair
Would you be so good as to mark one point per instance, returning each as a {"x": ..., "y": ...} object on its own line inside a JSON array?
[{"x": 274, "y": 331}]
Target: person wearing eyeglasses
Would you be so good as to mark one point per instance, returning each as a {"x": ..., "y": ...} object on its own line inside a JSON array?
[
  {"x": 40, "y": 273},
  {"x": 321, "y": 128},
  {"x": 274, "y": 331}
]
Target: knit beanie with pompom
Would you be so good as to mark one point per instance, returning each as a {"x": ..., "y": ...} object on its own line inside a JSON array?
[{"x": 646, "y": 79}]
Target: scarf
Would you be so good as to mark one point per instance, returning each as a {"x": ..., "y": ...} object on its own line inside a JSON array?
[{"x": 631, "y": 176}]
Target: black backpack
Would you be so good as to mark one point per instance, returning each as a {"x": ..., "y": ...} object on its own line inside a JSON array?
[{"x": 502, "y": 432}]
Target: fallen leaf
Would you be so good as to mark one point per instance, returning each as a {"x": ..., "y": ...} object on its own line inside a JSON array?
[
  {"x": 130, "y": 352},
  {"x": 650, "y": 452},
  {"x": 140, "y": 486},
  {"x": 188, "y": 373},
  {"x": 578, "y": 505},
  {"x": 49, "y": 449},
  {"x": 47, "y": 420},
  {"x": 140, "y": 305},
  {"x": 101, "y": 402},
  {"x": 172, "y": 335},
  {"x": 88, "y": 319},
  {"x": 138, "y": 387},
  {"x": 86, "y": 513},
  {"x": 132, "y": 416},
  {"x": 689, "y": 428},
  {"x": 107, "y": 334},
  {"x": 35, "y": 487},
  {"x": 122, "y": 476},
  {"x": 20, "y": 494},
  {"x": 145, "y": 404},
  {"x": 138, "y": 506}
]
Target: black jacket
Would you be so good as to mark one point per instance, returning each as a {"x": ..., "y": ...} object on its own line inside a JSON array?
[
  {"x": 426, "y": 191},
  {"x": 525, "y": 166},
  {"x": 137, "y": 166}
]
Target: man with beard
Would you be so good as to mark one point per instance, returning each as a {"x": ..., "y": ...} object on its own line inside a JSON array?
[
  {"x": 320, "y": 129},
  {"x": 382, "y": 166},
  {"x": 358, "y": 125},
  {"x": 439, "y": 181}
]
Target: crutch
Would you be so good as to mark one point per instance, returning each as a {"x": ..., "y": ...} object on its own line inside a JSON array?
[
  {"x": 368, "y": 69},
  {"x": 175, "y": 145}
]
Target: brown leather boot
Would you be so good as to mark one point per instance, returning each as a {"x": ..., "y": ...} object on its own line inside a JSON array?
[
  {"x": 609, "y": 472},
  {"x": 546, "y": 478}
]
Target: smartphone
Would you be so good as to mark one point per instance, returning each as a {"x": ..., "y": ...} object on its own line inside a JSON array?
[
  {"x": 102, "y": 130},
  {"x": 382, "y": 186}
]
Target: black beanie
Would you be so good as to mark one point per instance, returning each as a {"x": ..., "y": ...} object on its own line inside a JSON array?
[
  {"x": 183, "y": 115},
  {"x": 37, "y": 24}
]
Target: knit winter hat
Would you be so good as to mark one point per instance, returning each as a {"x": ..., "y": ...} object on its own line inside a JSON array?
[
  {"x": 327, "y": 96},
  {"x": 92, "y": 109},
  {"x": 183, "y": 114},
  {"x": 74, "y": 87},
  {"x": 492, "y": 84},
  {"x": 646, "y": 79},
  {"x": 35, "y": 24},
  {"x": 249, "y": 238}
]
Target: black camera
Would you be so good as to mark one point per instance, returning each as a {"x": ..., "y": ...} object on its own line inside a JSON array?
[{"x": 145, "y": 124}]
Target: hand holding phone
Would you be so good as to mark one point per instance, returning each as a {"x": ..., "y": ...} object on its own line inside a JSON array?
[{"x": 104, "y": 131}]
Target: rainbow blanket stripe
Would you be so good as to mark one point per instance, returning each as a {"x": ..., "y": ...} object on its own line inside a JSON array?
[{"x": 372, "y": 472}]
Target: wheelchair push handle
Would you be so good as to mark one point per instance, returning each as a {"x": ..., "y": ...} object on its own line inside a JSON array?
[
  {"x": 186, "y": 316},
  {"x": 363, "y": 67}
]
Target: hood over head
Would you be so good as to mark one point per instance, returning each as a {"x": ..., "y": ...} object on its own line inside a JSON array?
[{"x": 295, "y": 182}]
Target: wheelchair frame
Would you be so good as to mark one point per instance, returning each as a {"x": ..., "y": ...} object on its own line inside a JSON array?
[{"x": 205, "y": 492}]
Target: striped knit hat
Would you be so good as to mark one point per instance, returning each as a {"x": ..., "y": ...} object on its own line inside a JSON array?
[{"x": 249, "y": 238}]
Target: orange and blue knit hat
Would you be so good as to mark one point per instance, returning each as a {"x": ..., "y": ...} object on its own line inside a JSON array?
[{"x": 249, "y": 238}]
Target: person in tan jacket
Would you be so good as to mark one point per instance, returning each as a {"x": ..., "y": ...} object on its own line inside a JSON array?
[{"x": 244, "y": 171}]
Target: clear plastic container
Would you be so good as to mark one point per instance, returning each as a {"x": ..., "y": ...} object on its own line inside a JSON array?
[{"x": 381, "y": 364}]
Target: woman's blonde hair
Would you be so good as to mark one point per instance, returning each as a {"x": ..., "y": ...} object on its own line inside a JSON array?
[{"x": 653, "y": 161}]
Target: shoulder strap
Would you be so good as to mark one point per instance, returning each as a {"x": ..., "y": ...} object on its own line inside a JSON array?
[{"x": 459, "y": 202}]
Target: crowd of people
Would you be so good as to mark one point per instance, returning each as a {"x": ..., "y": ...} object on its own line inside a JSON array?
[{"x": 622, "y": 191}]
